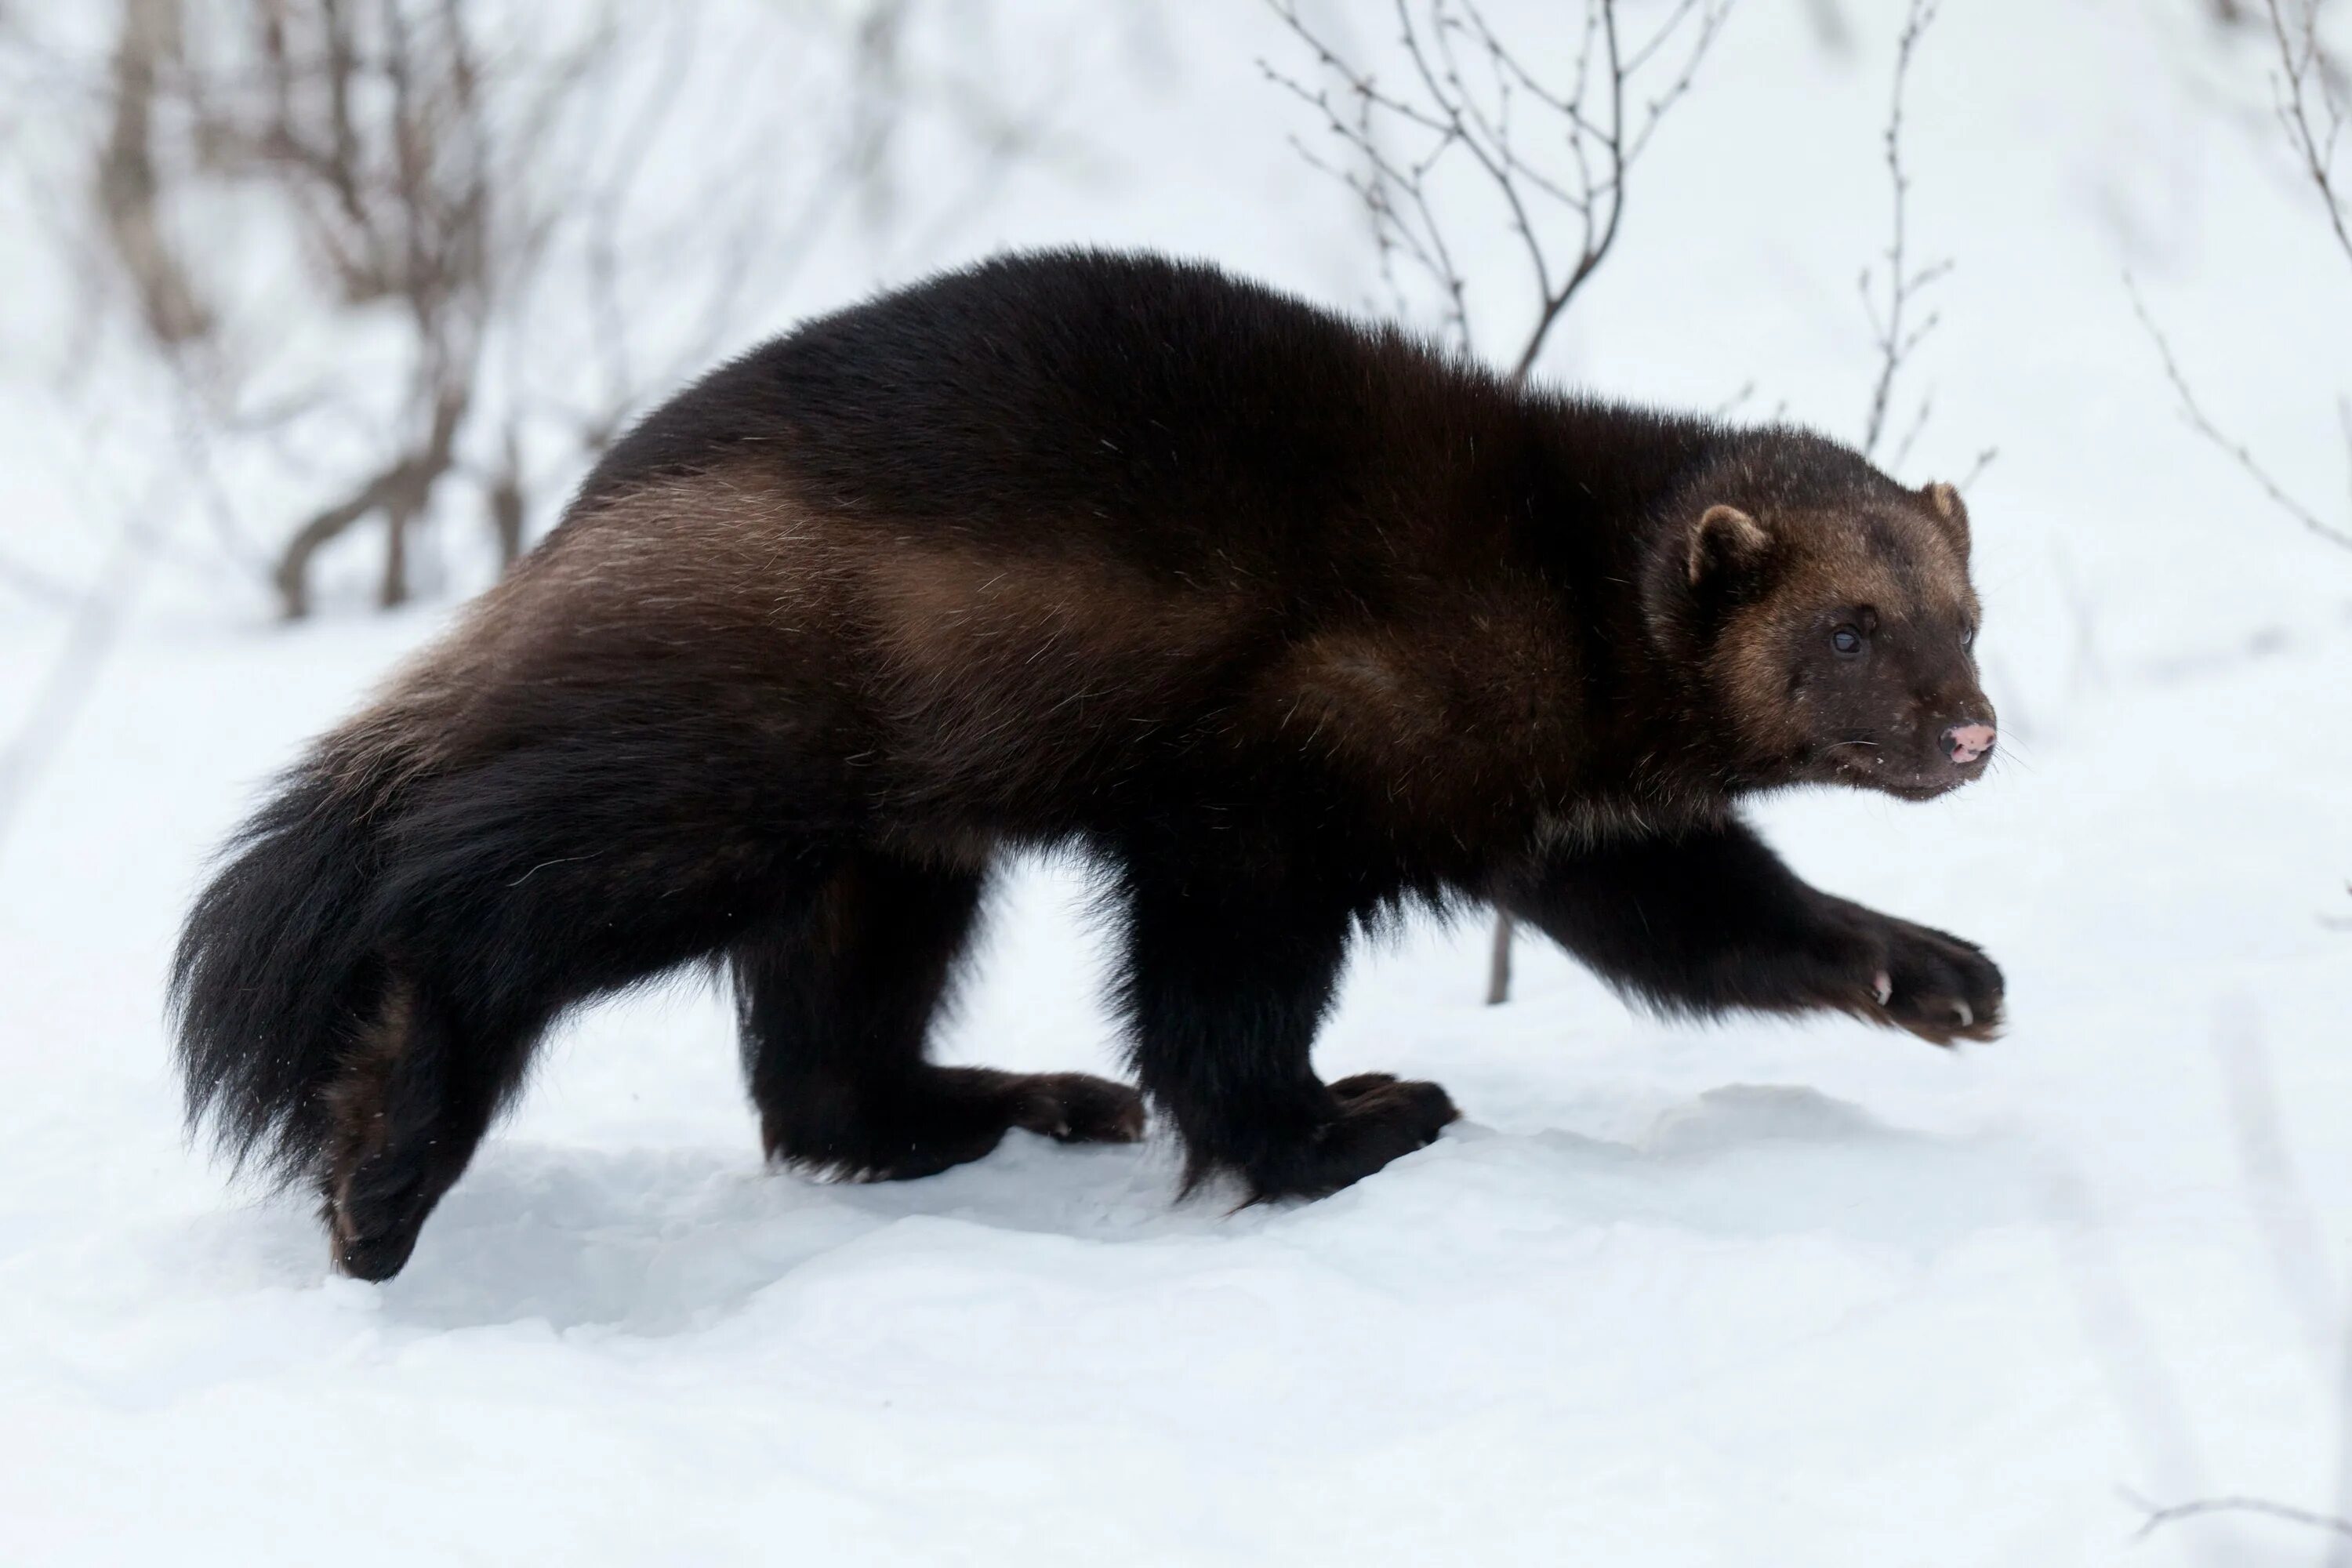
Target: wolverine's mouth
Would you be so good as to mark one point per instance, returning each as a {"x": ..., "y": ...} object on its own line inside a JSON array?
[
  {"x": 1901, "y": 788},
  {"x": 1907, "y": 790},
  {"x": 1861, "y": 763}
]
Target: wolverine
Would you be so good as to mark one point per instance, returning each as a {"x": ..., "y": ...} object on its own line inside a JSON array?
[{"x": 1287, "y": 622}]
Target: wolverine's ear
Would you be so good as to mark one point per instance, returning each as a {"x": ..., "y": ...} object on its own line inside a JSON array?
[
  {"x": 1945, "y": 501},
  {"x": 1725, "y": 539}
]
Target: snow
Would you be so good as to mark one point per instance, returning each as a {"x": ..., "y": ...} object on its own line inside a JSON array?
[{"x": 1758, "y": 1293}]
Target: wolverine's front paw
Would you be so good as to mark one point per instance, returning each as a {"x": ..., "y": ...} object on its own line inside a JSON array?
[
  {"x": 1940, "y": 987},
  {"x": 1380, "y": 1118}
]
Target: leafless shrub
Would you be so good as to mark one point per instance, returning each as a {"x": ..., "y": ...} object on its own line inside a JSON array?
[
  {"x": 1460, "y": 122},
  {"x": 129, "y": 186},
  {"x": 2311, "y": 91},
  {"x": 1896, "y": 328},
  {"x": 2310, "y": 99},
  {"x": 533, "y": 221},
  {"x": 1462, "y": 116},
  {"x": 490, "y": 236},
  {"x": 371, "y": 128},
  {"x": 1896, "y": 325}
]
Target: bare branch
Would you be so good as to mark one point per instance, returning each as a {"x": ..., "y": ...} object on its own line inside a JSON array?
[
  {"x": 129, "y": 186},
  {"x": 2311, "y": 110},
  {"x": 2194, "y": 412},
  {"x": 400, "y": 495},
  {"x": 468, "y": 183},
  {"x": 1895, "y": 339},
  {"x": 1552, "y": 156},
  {"x": 2158, "y": 1518},
  {"x": 2308, "y": 98}
]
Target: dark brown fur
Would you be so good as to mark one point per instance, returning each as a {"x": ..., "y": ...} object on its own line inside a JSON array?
[{"x": 1285, "y": 620}]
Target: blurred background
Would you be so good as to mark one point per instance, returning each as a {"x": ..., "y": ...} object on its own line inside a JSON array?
[{"x": 312, "y": 312}]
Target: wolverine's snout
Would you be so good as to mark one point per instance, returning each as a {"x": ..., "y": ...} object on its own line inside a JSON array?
[
  {"x": 1969, "y": 743},
  {"x": 1933, "y": 752}
]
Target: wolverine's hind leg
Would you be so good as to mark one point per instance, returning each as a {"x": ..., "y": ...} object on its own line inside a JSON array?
[{"x": 835, "y": 1003}]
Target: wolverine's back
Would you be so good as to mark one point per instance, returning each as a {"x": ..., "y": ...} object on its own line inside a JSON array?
[
  {"x": 1008, "y": 554},
  {"x": 1156, "y": 404}
]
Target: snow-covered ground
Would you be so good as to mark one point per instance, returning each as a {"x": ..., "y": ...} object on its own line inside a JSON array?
[{"x": 1758, "y": 1294}]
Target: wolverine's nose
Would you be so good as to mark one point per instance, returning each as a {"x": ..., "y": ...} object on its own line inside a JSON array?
[{"x": 1967, "y": 743}]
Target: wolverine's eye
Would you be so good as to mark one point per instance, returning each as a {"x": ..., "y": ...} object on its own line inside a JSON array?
[
  {"x": 1969, "y": 640},
  {"x": 1847, "y": 641}
]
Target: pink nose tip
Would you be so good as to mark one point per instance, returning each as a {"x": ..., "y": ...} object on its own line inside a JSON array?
[{"x": 1966, "y": 743}]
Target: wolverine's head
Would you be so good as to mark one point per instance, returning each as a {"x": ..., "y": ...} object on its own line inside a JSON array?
[{"x": 1830, "y": 613}]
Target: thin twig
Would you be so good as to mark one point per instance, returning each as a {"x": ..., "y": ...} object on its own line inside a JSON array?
[
  {"x": 2194, "y": 413},
  {"x": 1975, "y": 470},
  {"x": 2304, "y": 78},
  {"x": 2158, "y": 1518},
  {"x": 1894, "y": 334}
]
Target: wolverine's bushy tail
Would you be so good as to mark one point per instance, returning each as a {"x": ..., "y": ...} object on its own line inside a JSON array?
[{"x": 277, "y": 969}]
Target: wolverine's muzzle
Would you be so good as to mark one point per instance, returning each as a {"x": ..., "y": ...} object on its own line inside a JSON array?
[{"x": 1970, "y": 743}]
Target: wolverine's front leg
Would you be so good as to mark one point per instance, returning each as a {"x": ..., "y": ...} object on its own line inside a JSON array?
[
  {"x": 1228, "y": 977},
  {"x": 1709, "y": 920}
]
